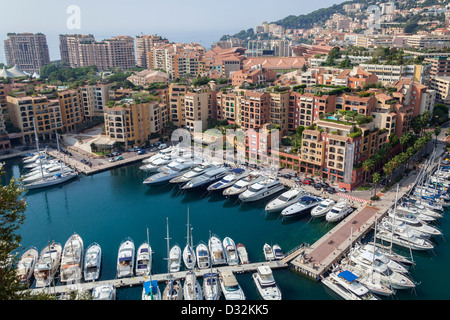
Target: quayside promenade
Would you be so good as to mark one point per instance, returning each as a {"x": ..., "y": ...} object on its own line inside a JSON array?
[{"x": 136, "y": 281}]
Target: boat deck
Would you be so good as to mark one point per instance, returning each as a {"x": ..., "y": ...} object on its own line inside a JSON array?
[{"x": 136, "y": 281}]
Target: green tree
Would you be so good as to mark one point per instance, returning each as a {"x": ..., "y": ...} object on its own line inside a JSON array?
[{"x": 376, "y": 178}]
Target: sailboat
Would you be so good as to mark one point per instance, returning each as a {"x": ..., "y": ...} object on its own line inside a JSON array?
[
  {"x": 172, "y": 290},
  {"x": 211, "y": 284},
  {"x": 192, "y": 289},
  {"x": 150, "y": 290},
  {"x": 188, "y": 252},
  {"x": 53, "y": 180}
]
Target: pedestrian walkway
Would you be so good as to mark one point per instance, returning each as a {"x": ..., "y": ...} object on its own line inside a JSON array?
[{"x": 352, "y": 197}]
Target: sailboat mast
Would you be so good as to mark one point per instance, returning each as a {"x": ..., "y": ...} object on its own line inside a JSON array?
[
  {"x": 59, "y": 153},
  {"x": 168, "y": 248},
  {"x": 149, "y": 272},
  {"x": 393, "y": 219},
  {"x": 37, "y": 147}
]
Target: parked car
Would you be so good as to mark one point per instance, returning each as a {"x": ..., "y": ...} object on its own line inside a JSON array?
[
  {"x": 142, "y": 151},
  {"x": 119, "y": 158},
  {"x": 325, "y": 185},
  {"x": 343, "y": 190},
  {"x": 116, "y": 153},
  {"x": 308, "y": 181},
  {"x": 162, "y": 146},
  {"x": 330, "y": 190},
  {"x": 317, "y": 186},
  {"x": 112, "y": 160}
]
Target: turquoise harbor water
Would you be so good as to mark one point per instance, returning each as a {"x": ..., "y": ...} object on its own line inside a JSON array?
[{"x": 110, "y": 206}]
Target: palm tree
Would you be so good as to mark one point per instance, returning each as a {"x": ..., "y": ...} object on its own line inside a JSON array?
[
  {"x": 367, "y": 166},
  {"x": 376, "y": 178},
  {"x": 388, "y": 169}
]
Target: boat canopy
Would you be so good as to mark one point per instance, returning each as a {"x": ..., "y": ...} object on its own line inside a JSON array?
[
  {"x": 151, "y": 285},
  {"x": 237, "y": 170},
  {"x": 347, "y": 275},
  {"x": 125, "y": 259}
]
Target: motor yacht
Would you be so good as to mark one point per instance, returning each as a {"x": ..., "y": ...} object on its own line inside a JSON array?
[
  {"x": 412, "y": 242},
  {"x": 231, "y": 255},
  {"x": 143, "y": 259},
  {"x": 216, "y": 251},
  {"x": 203, "y": 257},
  {"x": 175, "y": 258},
  {"x": 261, "y": 190},
  {"x": 92, "y": 262},
  {"x": 195, "y": 172},
  {"x": 242, "y": 185},
  {"x": 305, "y": 204},
  {"x": 242, "y": 253},
  {"x": 268, "y": 252},
  {"x": 206, "y": 178},
  {"x": 174, "y": 169},
  {"x": 266, "y": 284},
  {"x": 339, "y": 211},
  {"x": 125, "y": 259},
  {"x": 285, "y": 199},
  {"x": 230, "y": 287},
  {"x": 47, "y": 265},
  {"x": 192, "y": 289},
  {"x": 322, "y": 208},
  {"x": 347, "y": 286},
  {"x": 278, "y": 253},
  {"x": 228, "y": 180},
  {"x": 211, "y": 286},
  {"x": 104, "y": 292},
  {"x": 72, "y": 260},
  {"x": 26, "y": 264}
]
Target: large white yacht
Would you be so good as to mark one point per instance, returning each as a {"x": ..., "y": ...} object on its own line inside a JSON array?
[
  {"x": 402, "y": 240},
  {"x": 242, "y": 185},
  {"x": 174, "y": 169},
  {"x": 48, "y": 264},
  {"x": 206, "y": 178},
  {"x": 265, "y": 282},
  {"x": 72, "y": 260},
  {"x": 195, "y": 172},
  {"x": 339, "y": 211},
  {"x": 230, "y": 287},
  {"x": 347, "y": 286},
  {"x": 305, "y": 204},
  {"x": 26, "y": 264},
  {"x": 323, "y": 208},
  {"x": 261, "y": 190},
  {"x": 216, "y": 251},
  {"x": 92, "y": 262},
  {"x": 125, "y": 258},
  {"x": 285, "y": 199},
  {"x": 157, "y": 163},
  {"x": 228, "y": 180}
]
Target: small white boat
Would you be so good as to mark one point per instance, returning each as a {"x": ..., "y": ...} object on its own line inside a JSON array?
[
  {"x": 203, "y": 257},
  {"x": 228, "y": 180},
  {"x": 125, "y": 259},
  {"x": 285, "y": 199},
  {"x": 47, "y": 265},
  {"x": 192, "y": 289},
  {"x": 230, "y": 251},
  {"x": 72, "y": 260},
  {"x": 265, "y": 282},
  {"x": 347, "y": 286},
  {"x": 242, "y": 253},
  {"x": 339, "y": 211},
  {"x": 104, "y": 292},
  {"x": 230, "y": 287},
  {"x": 305, "y": 204},
  {"x": 323, "y": 208},
  {"x": 175, "y": 258},
  {"x": 150, "y": 290},
  {"x": 92, "y": 262},
  {"x": 261, "y": 190},
  {"x": 173, "y": 290},
  {"x": 211, "y": 286},
  {"x": 268, "y": 252},
  {"x": 143, "y": 259},
  {"x": 189, "y": 258},
  {"x": 216, "y": 251},
  {"x": 278, "y": 253},
  {"x": 26, "y": 264},
  {"x": 242, "y": 185}
]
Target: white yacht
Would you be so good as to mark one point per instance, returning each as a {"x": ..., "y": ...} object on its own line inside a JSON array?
[
  {"x": 265, "y": 282},
  {"x": 143, "y": 259},
  {"x": 72, "y": 260},
  {"x": 412, "y": 242},
  {"x": 150, "y": 290},
  {"x": 173, "y": 290},
  {"x": 157, "y": 163},
  {"x": 26, "y": 264},
  {"x": 46, "y": 173},
  {"x": 228, "y": 180},
  {"x": 230, "y": 287},
  {"x": 216, "y": 251},
  {"x": 322, "y": 209},
  {"x": 242, "y": 253},
  {"x": 206, "y": 178},
  {"x": 305, "y": 204},
  {"x": 51, "y": 181},
  {"x": 172, "y": 170},
  {"x": 402, "y": 229},
  {"x": 419, "y": 226},
  {"x": 203, "y": 257},
  {"x": 285, "y": 199},
  {"x": 195, "y": 172},
  {"x": 268, "y": 252},
  {"x": 33, "y": 158},
  {"x": 192, "y": 289},
  {"x": 47, "y": 265},
  {"x": 261, "y": 190},
  {"x": 339, "y": 211},
  {"x": 125, "y": 259},
  {"x": 189, "y": 258},
  {"x": 416, "y": 211},
  {"x": 92, "y": 262},
  {"x": 242, "y": 185},
  {"x": 278, "y": 253},
  {"x": 366, "y": 257},
  {"x": 175, "y": 258},
  {"x": 347, "y": 286},
  {"x": 104, "y": 292},
  {"x": 231, "y": 255},
  {"x": 211, "y": 286},
  {"x": 386, "y": 251}
]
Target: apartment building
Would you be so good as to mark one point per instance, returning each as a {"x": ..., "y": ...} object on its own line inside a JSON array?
[
  {"x": 269, "y": 48},
  {"x": 46, "y": 113},
  {"x": 441, "y": 85},
  {"x": 279, "y": 110},
  {"x": 253, "y": 76},
  {"x": 147, "y": 77},
  {"x": 176, "y": 97},
  {"x": 440, "y": 66},
  {"x": 144, "y": 44},
  {"x": 71, "y": 109},
  {"x": 132, "y": 123},
  {"x": 93, "y": 98},
  {"x": 228, "y": 107},
  {"x": 390, "y": 73},
  {"x": 384, "y": 113},
  {"x": 5, "y": 143},
  {"x": 199, "y": 105},
  {"x": 83, "y": 51},
  {"x": 422, "y": 41},
  {"x": 255, "y": 109},
  {"x": 27, "y": 50}
]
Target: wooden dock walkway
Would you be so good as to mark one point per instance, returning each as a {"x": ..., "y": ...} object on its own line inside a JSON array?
[{"x": 136, "y": 281}]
